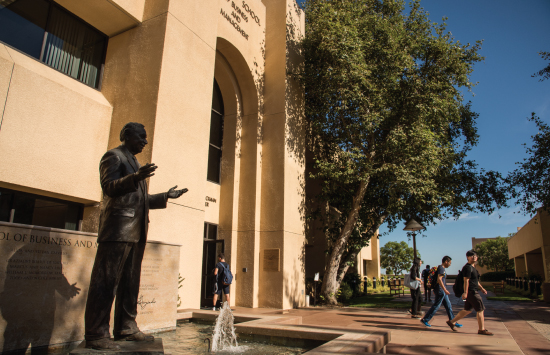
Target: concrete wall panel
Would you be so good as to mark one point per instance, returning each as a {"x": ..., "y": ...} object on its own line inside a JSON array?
[
  {"x": 6, "y": 71},
  {"x": 109, "y": 16},
  {"x": 56, "y": 129}
]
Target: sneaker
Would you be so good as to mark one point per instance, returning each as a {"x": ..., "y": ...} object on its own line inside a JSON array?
[
  {"x": 214, "y": 309},
  {"x": 484, "y": 332},
  {"x": 425, "y": 323},
  {"x": 458, "y": 325}
]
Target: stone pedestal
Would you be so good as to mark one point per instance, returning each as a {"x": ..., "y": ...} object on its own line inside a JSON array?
[
  {"x": 44, "y": 281},
  {"x": 126, "y": 348}
]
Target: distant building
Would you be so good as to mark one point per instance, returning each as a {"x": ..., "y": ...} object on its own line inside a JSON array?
[{"x": 530, "y": 246}]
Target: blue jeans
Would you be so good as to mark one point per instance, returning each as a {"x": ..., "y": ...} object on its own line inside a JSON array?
[{"x": 440, "y": 297}]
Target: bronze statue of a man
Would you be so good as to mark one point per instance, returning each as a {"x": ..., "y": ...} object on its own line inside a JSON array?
[{"x": 122, "y": 237}]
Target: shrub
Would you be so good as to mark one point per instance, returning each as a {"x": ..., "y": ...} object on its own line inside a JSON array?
[
  {"x": 345, "y": 293},
  {"x": 354, "y": 281},
  {"x": 497, "y": 275}
]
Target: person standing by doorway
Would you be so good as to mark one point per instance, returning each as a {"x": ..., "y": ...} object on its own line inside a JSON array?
[
  {"x": 427, "y": 290},
  {"x": 219, "y": 271},
  {"x": 441, "y": 294},
  {"x": 471, "y": 296}
]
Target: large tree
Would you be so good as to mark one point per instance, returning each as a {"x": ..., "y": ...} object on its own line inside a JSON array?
[
  {"x": 396, "y": 257},
  {"x": 530, "y": 182},
  {"x": 493, "y": 254},
  {"x": 545, "y": 72},
  {"x": 388, "y": 127}
]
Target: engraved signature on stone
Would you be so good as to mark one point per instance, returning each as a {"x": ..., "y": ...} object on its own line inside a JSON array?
[{"x": 143, "y": 303}]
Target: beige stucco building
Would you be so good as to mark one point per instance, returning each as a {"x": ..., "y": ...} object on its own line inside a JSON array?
[
  {"x": 210, "y": 81},
  {"x": 530, "y": 246},
  {"x": 188, "y": 70}
]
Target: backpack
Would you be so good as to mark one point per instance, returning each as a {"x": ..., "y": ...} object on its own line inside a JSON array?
[
  {"x": 432, "y": 278},
  {"x": 458, "y": 287},
  {"x": 425, "y": 274},
  {"x": 227, "y": 276}
]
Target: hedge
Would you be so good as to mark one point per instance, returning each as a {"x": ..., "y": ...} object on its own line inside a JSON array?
[{"x": 497, "y": 275}]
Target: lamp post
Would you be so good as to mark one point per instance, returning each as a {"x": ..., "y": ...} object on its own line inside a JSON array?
[{"x": 413, "y": 226}]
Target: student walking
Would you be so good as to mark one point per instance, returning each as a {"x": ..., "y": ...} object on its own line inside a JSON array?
[
  {"x": 441, "y": 294},
  {"x": 416, "y": 293},
  {"x": 471, "y": 296},
  {"x": 222, "y": 268},
  {"x": 427, "y": 290}
]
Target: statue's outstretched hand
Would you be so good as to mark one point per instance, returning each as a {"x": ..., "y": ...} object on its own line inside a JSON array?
[
  {"x": 146, "y": 171},
  {"x": 173, "y": 193}
]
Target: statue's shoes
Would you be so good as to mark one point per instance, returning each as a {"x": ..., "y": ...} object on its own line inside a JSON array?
[
  {"x": 139, "y": 336},
  {"x": 102, "y": 344}
]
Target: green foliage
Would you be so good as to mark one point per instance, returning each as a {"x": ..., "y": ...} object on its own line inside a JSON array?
[
  {"x": 387, "y": 125},
  {"x": 369, "y": 282},
  {"x": 493, "y": 254},
  {"x": 397, "y": 257},
  {"x": 543, "y": 73},
  {"x": 345, "y": 293},
  {"x": 355, "y": 282},
  {"x": 529, "y": 182},
  {"x": 497, "y": 275},
  {"x": 379, "y": 300}
]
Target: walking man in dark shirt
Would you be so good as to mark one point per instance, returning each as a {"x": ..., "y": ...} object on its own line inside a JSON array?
[
  {"x": 218, "y": 271},
  {"x": 471, "y": 296},
  {"x": 441, "y": 294},
  {"x": 427, "y": 290}
]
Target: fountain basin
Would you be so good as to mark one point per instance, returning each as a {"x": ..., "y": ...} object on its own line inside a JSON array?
[{"x": 278, "y": 324}]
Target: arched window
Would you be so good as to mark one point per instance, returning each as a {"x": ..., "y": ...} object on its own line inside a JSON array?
[{"x": 216, "y": 136}]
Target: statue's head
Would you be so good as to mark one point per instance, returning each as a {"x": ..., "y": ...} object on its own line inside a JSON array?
[{"x": 134, "y": 137}]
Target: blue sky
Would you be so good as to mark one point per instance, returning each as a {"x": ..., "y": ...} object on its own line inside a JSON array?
[{"x": 513, "y": 33}]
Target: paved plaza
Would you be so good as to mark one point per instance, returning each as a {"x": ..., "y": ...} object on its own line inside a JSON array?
[{"x": 518, "y": 327}]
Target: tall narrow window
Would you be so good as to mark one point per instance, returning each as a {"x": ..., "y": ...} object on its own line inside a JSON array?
[
  {"x": 46, "y": 31},
  {"x": 216, "y": 136}
]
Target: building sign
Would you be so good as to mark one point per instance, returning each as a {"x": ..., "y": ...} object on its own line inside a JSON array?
[
  {"x": 208, "y": 200},
  {"x": 240, "y": 13}
]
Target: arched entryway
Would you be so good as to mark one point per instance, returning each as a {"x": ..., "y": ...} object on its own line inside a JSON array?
[{"x": 235, "y": 159}]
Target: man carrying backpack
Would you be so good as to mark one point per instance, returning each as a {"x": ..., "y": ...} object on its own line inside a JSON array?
[
  {"x": 441, "y": 293},
  {"x": 471, "y": 296},
  {"x": 427, "y": 290},
  {"x": 223, "y": 279}
]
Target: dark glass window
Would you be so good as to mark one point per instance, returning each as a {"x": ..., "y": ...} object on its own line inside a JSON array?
[
  {"x": 48, "y": 32},
  {"x": 24, "y": 208},
  {"x": 216, "y": 136},
  {"x": 210, "y": 231}
]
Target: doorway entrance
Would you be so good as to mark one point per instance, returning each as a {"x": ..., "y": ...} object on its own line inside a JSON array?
[{"x": 211, "y": 249}]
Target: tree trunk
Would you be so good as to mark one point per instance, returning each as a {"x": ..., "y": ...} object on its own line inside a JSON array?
[
  {"x": 344, "y": 263},
  {"x": 330, "y": 283}
]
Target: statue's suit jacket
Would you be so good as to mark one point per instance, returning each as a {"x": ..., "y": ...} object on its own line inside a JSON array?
[{"x": 125, "y": 212}]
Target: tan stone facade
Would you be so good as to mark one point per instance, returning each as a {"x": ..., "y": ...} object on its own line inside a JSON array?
[
  {"x": 161, "y": 61},
  {"x": 530, "y": 247}
]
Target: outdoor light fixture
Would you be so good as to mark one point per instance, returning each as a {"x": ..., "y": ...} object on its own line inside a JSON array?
[{"x": 413, "y": 226}]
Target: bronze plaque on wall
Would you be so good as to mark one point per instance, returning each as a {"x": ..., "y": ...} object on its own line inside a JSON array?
[{"x": 271, "y": 259}]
